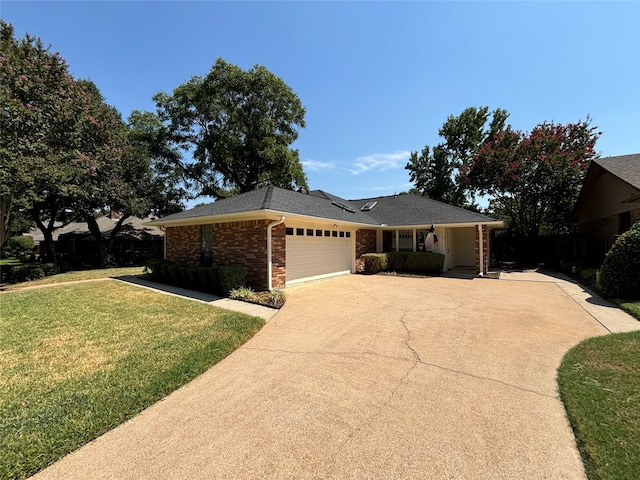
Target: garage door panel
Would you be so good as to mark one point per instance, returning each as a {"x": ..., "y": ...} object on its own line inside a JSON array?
[{"x": 316, "y": 256}]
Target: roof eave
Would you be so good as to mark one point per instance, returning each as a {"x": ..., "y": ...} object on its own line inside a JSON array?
[
  {"x": 491, "y": 223},
  {"x": 264, "y": 214}
]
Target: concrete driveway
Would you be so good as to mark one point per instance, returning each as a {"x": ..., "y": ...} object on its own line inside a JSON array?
[{"x": 370, "y": 377}]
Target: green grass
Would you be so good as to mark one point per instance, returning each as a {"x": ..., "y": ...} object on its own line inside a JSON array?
[
  {"x": 599, "y": 383},
  {"x": 76, "y": 360},
  {"x": 79, "y": 276},
  {"x": 633, "y": 308}
]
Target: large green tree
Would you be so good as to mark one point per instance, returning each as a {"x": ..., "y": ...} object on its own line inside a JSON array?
[
  {"x": 534, "y": 178},
  {"x": 232, "y": 131},
  {"x": 65, "y": 153},
  {"x": 37, "y": 167},
  {"x": 435, "y": 172}
]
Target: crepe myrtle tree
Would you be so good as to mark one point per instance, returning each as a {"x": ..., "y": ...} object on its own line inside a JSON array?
[
  {"x": 39, "y": 160},
  {"x": 534, "y": 178},
  {"x": 231, "y": 131},
  {"x": 65, "y": 153}
]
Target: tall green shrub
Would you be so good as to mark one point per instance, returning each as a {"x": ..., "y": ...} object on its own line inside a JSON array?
[
  {"x": 17, "y": 247},
  {"x": 424, "y": 262},
  {"x": 620, "y": 274},
  {"x": 232, "y": 277},
  {"x": 374, "y": 262}
]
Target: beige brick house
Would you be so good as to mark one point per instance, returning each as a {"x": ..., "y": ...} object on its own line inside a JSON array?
[{"x": 285, "y": 237}]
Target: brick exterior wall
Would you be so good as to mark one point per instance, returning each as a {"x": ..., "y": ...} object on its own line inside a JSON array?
[
  {"x": 243, "y": 243},
  {"x": 183, "y": 244},
  {"x": 485, "y": 249},
  {"x": 278, "y": 256},
  {"x": 240, "y": 243},
  {"x": 366, "y": 242}
]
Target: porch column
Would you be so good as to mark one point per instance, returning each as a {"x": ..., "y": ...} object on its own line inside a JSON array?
[
  {"x": 397, "y": 240},
  {"x": 480, "y": 249},
  {"x": 414, "y": 240}
]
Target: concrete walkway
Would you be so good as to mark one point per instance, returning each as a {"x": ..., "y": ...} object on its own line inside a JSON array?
[
  {"x": 373, "y": 377},
  {"x": 261, "y": 311},
  {"x": 606, "y": 313}
]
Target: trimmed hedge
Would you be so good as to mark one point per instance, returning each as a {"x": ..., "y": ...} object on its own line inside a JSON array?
[
  {"x": 620, "y": 274},
  {"x": 418, "y": 262},
  {"x": 424, "y": 262},
  {"x": 202, "y": 279},
  {"x": 232, "y": 277},
  {"x": 374, "y": 262},
  {"x": 30, "y": 271}
]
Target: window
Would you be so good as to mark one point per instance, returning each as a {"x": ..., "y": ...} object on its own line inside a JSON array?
[
  {"x": 289, "y": 230},
  {"x": 318, "y": 233},
  {"x": 206, "y": 246},
  {"x": 327, "y": 233},
  {"x": 334, "y": 234},
  {"x": 300, "y": 232},
  {"x": 624, "y": 222},
  {"x": 309, "y": 232},
  {"x": 341, "y": 234},
  {"x": 368, "y": 206},
  {"x": 348, "y": 234}
]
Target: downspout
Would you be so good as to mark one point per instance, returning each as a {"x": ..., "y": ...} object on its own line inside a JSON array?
[
  {"x": 480, "y": 250},
  {"x": 269, "y": 254}
]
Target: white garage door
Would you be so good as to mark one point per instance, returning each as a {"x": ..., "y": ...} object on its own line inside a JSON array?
[{"x": 316, "y": 253}]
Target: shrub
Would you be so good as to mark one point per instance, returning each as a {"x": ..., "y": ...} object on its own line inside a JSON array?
[
  {"x": 242, "y": 293},
  {"x": 374, "y": 262},
  {"x": 620, "y": 277},
  {"x": 18, "y": 247},
  {"x": 153, "y": 269},
  {"x": 424, "y": 262},
  {"x": 396, "y": 260},
  {"x": 232, "y": 276},
  {"x": 30, "y": 271}
]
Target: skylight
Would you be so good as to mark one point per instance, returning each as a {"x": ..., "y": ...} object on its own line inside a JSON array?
[{"x": 368, "y": 206}]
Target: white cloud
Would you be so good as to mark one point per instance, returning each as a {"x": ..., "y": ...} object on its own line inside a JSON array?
[
  {"x": 380, "y": 162},
  {"x": 316, "y": 165}
]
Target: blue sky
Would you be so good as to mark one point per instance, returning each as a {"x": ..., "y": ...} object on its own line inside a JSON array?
[{"x": 377, "y": 79}]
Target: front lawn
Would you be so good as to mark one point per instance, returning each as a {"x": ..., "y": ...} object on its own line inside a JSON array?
[
  {"x": 79, "y": 275},
  {"x": 633, "y": 308},
  {"x": 599, "y": 383},
  {"x": 77, "y": 360}
]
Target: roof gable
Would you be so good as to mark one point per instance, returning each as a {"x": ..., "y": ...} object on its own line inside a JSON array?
[{"x": 625, "y": 167}]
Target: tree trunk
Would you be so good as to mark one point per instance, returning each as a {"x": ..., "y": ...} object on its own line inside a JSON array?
[{"x": 48, "y": 250}]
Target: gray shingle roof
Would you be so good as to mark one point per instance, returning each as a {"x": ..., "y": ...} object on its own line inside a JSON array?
[
  {"x": 397, "y": 210},
  {"x": 313, "y": 204},
  {"x": 409, "y": 209},
  {"x": 625, "y": 167}
]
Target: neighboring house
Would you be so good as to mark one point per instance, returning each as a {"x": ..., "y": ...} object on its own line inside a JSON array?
[
  {"x": 285, "y": 237},
  {"x": 609, "y": 202},
  {"x": 136, "y": 241}
]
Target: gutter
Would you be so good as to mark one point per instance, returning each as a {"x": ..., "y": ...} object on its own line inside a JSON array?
[
  {"x": 269, "y": 254},
  {"x": 481, "y": 250}
]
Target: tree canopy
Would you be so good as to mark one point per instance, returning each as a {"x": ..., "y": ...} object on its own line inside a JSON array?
[
  {"x": 534, "y": 178},
  {"x": 435, "y": 172},
  {"x": 237, "y": 125},
  {"x": 65, "y": 153}
]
